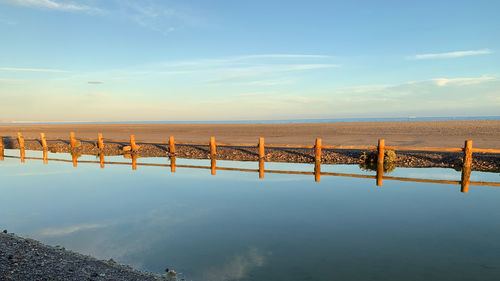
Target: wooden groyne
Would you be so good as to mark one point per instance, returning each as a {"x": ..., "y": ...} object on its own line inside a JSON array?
[
  {"x": 318, "y": 147},
  {"x": 131, "y": 147},
  {"x": 379, "y": 177}
]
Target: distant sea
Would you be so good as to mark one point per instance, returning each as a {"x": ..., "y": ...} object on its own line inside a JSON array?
[{"x": 289, "y": 121}]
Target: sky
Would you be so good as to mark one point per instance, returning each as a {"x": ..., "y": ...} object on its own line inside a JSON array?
[{"x": 169, "y": 60}]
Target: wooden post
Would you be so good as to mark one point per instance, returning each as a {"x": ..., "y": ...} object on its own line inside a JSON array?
[
  {"x": 212, "y": 147},
  {"x": 133, "y": 146},
  {"x": 100, "y": 142},
  {"x": 1, "y": 141},
  {"x": 317, "y": 171},
  {"x": 23, "y": 154},
  {"x": 468, "y": 154},
  {"x": 101, "y": 160},
  {"x": 171, "y": 144},
  {"x": 134, "y": 162},
  {"x": 74, "y": 157},
  {"x": 317, "y": 150},
  {"x": 45, "y": 156},
  {"x": 72, "y": 139},
  {"x": 261, "y": 148},
  {"x": 466, "y": 170},
  {"x": 261, "y": 168},
  {"x": 213, "y": 167},
  {"x": 43, "y": 140},
  {"x": 381, "y": 152},
  {"x": 20, "y": 139},
  {"x": 172, "y": 164},
  {"x": 380, "y": 174}
]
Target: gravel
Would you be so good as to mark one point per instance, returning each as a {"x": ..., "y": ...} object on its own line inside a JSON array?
[{"x": 26, "y": 260}]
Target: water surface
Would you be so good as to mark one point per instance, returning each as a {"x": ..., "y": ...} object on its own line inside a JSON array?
[{"x": 235, "y": 226}]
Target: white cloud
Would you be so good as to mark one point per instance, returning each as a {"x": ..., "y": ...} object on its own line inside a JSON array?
[
  {"x": 49, "y": 4},
  {"x": 238, "y": 267},
  {"x": 19, "y": 69},
  {"x": 462, "y": 81},
  {"x": 448, "y": 55},
  {"x": 65, "y": 230}
]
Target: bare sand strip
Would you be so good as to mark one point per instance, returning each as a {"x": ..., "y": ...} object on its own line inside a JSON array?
[{"x": 484, "y": 133}]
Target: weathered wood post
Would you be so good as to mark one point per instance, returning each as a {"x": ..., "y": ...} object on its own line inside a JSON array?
[
  {"x": 261, "y": 148},
  {"x": 261, "y": 168},
  {"x": 100, "y": 141},
  {"x": 171, "y": 145},
  {"x": 317, "y": 150},
  {"x": 317, "y": 171},
  {"x": 133, "y": 145},
  {"x": 43, "y": 139},
  {"x": 20, "y": 139},
  {"x": 380, "y": 174},
  {"x": 468, "y": 153},
  {"x": 72, "y": 139},
  {"x": 172, "y": 164},
  {"x": 381, "y": 152},
  {"x": 101, "y": 160},
  {"x": 213, "y": 150},
  {"x": 1, "y": 141},
  {"x": 213, "y": 167},
  {"x": 134, "y": 162},
  {"x": 466, "y": 170},
  {"x": 45, "y": 156}
]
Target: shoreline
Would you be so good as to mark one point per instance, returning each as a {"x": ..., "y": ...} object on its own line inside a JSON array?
[
  {"x": 28, "y": 259},
  {"x": 484, "y": 133}
]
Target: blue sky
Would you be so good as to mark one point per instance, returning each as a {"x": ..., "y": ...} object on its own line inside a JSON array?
[{"x": 96, "y": 60}]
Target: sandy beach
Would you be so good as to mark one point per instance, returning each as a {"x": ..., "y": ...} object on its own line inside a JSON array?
[{"x": 485, "y": 134}]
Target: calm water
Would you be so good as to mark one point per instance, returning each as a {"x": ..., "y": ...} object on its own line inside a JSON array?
[{"x": 235, "y": 226}]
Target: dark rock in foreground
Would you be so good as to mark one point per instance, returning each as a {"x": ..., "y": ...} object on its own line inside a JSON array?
[{"x": 27, "y": 259}]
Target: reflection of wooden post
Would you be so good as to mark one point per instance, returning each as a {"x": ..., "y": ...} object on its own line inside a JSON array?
[
  {"x": 23, "y": 154},
  {"x": 171, "y": 145},
  {"x": 45, "y": 156},
  {"x": 100, "y": 141},
  {"x": 72, "y": 139},
  {"x": 134, "y": 162},
  {"x": 43, "y": 140},
  {"x": 380, "y": 174},
  {"x": 468, "y": 153},
  {"x": 172, "y": 164},
  {"x": 317, "y": 150},
  {"x": 20, "y": 139},
  {"x": 466, "y": 170},
  {"x": 101, "y": 159},
  {"x": 381, "y": 152},
  {"x": 317, "y": 171},
  {"x": 133, "y": 146},
  {"x": 75, "y": 159},
  {"x": 1, "y": 148},
  {"x": 261, "y": 148},
  {"x": 212, "y": 147},
  {"x": 213, "y": 163},
  {"x": 261, "y": 168}
]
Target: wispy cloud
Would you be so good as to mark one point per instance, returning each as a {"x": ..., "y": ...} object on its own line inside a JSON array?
[
  {"x": 19, "y": 69},
  {"x": 65, "y": 230},
  {"x": 462, "y": 81},
  {"x": 49, "y": 4},
  {"x": 450, "y": 55},
  {"x": 238, "y": 267}
]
